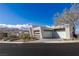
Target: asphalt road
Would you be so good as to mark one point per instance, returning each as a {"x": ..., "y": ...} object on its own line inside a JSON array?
[{"x": 39, "y": 49}]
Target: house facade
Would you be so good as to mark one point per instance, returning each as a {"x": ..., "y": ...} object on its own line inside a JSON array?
[
  {"x": 53, "y": 32},
  {"x": 56, "y": 32}
]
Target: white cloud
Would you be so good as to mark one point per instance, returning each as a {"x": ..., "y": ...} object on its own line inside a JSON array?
[
  {"x": 19, "y": 26},
  {"x": 48, "y": 26}
]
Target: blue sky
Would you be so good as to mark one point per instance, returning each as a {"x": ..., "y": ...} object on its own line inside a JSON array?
[{"x": 30, "y": 13}]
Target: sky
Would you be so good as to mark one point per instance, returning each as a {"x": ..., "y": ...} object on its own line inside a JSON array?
[{"x": 30, "y": 13}]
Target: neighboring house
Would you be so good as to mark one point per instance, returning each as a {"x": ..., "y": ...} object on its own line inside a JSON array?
[{"x": 6, "y": 32}]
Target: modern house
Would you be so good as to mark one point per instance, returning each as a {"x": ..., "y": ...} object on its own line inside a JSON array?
[{"x": 54, "y": 32}]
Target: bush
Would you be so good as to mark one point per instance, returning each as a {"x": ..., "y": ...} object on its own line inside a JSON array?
[{"x": 27, "y": 37}]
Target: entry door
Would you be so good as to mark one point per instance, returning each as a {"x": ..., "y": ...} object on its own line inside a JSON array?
[{"x": 5, "y": 34}]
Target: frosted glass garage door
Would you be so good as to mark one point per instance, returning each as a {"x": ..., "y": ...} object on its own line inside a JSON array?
[{"x": 47, "y": 34}]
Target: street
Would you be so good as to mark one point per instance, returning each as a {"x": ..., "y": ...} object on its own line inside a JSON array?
[{"x": 39, "y": 49}]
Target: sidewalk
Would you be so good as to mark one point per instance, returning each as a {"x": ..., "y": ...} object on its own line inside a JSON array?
[{"x": 43, "y": 41}]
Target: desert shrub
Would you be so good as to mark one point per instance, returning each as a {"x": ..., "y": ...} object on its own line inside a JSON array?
[{"x": 27, "y": 37}]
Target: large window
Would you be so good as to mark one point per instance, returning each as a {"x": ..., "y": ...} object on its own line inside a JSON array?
[{"x": 36, "y": 31}]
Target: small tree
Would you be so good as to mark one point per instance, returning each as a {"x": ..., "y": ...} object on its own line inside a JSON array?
[{"x": 25, "y": 37}]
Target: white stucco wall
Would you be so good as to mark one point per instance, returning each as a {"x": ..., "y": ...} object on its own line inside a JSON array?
[
  {"x": 69, "y": 29},
  {"x": 62, "y": 34}
]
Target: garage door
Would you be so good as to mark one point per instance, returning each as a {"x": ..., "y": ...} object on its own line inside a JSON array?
[{"x": 47, "y": 34}]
